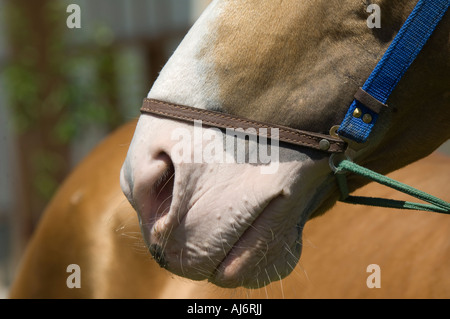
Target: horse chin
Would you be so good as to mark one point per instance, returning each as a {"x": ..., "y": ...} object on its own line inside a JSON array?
[
  {"x": 254, "y": 263},
  {"x": 259, "y": 256}
]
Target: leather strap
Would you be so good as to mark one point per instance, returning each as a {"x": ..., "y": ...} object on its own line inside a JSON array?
[{"x": 289, "y": 135}]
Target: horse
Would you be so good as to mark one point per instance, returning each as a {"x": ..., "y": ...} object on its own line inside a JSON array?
[{"x": 290, "y": 63}]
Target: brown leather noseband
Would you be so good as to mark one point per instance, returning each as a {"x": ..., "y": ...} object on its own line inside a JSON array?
[{"x": 289, "y": 135}]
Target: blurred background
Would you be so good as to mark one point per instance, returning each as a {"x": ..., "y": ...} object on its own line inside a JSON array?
[{"x": 62, "y": 90}]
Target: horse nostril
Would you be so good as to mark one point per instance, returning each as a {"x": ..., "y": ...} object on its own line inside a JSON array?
[
  {"x": 162, "y": 189},
  {"x": 150, "y": 188}
]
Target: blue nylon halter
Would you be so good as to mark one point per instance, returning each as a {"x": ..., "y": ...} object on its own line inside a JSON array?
[{"x": 398, "y": 57}]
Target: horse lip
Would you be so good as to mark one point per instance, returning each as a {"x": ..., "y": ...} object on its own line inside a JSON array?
[{"x": 231, "y": 256}]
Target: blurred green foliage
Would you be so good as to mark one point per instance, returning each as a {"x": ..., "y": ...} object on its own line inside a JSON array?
[{"x": 56, "y": 88}]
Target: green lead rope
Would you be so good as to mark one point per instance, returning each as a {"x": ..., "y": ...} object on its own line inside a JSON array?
[{"x": 435, "y": 204}]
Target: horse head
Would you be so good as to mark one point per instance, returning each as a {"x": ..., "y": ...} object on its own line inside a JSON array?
[{"x": 293, "y": 63}]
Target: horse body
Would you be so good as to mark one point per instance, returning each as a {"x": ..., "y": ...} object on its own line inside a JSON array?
[{"x": 291, "y": 63}]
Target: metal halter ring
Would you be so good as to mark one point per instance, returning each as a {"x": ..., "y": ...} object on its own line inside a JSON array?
[{"x": 334, "y": 160}]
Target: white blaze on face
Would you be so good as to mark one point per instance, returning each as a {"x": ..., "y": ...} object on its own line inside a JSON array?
[
  {"x": 234, "y": 223},
  {"x": 187, "y": 78}
]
